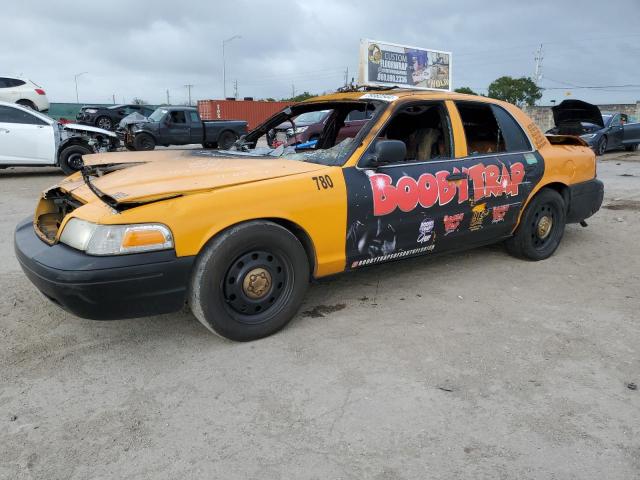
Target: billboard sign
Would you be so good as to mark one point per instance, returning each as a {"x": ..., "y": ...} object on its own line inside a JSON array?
[{"x": 388, "y": 64}]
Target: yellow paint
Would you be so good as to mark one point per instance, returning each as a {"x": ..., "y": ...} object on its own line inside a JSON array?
[{"x": 212, "y": 194}]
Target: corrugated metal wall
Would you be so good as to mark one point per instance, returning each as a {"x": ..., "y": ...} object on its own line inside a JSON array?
[{"x": 254, "y": 112}]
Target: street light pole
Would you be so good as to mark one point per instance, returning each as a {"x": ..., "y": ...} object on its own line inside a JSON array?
[
  {"x": 224, "y": 66},
  {"x": 75, "y": 77}
]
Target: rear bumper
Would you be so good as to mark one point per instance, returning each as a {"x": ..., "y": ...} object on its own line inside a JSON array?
[
  {"x": 103, "y": 288},
  {"x": 585, "y": 200}
]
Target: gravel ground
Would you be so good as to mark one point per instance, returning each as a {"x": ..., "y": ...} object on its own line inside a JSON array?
[{"x": 474, "y": 365}]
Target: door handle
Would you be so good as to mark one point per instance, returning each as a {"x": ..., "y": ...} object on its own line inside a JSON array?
[{"x": 456, "y": 176}]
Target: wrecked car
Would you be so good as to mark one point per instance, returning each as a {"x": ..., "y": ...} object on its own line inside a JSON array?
[
  {"x": 603, "y": 131},
  {"x": 31, "y": 139},
  {"x": 109, "y": 116},
  {"x": 238, "y": 234},
  {"x": 179, "y": 126}
]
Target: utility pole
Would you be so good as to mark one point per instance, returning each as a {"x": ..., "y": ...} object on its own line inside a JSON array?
[
  {"x": 75, "y": 78},
  {"x": 114, "y": 98},
  {"x": 189, "y": 90},
  {"x": 537, "y": 76},
  {"x": 346, "y": 77},
  {"x": 235, "y": 89},
  {"x": 293, "y": 90},
  {"x": 224, "y": 66},
  {"x": 168, "y": 98}
]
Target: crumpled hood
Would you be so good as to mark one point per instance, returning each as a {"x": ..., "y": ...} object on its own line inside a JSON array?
[
  {"x": 575, "y": 111},
  {"x": 156, "y": 175},
  {"x": 88, "y": 128}
]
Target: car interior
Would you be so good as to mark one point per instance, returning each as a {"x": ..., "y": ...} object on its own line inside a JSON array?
[
  {"x": 480, "y": 128},
  {"x": 424, "y": 129}
]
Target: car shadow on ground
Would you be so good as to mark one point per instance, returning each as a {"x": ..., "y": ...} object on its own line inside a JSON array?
[{"x": 15, "y": 172}]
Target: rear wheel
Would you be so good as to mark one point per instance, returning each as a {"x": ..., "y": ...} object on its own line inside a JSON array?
[
  {"x": 249, "y": 281},
  {"x": 70, "y": 159},
  {"x": 541, "y": 227},
  {"x": 27, "y": 103},
  {"x": 144, "y": 141},
  {"x": 601, "y": 147},
  {"x": 226, "y": 140},
  {"x": 104, "y": 123}
]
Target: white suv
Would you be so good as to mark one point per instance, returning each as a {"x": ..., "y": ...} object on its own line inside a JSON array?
[{"x": 23, "y": 92}]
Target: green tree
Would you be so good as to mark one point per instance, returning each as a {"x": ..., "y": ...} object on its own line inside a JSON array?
[
  {"x": 519, "y": 91},
  {"x": 299, "y": 98},
  {"x": 139, "y": 101},
  {"x": 466, "y": 90}
]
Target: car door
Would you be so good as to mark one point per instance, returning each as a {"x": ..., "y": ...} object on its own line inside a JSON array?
[
  {"x": 25, "y": 138},
  {"x": 616, "y": 133},
  {"x": 196, "y": 130},
  {"x": 178, "y": 128},
  {"x": 500, "y": 169},
  {"x": 397, "y": 210}
]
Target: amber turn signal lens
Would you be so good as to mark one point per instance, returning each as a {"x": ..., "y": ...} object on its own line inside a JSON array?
[{"x": 141, "y": 238}]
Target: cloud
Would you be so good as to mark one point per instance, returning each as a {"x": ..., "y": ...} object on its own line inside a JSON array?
[{"x": 141, "y": 49}]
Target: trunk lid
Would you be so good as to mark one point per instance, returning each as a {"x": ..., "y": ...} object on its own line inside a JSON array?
[{"x": 575, "y": 112}]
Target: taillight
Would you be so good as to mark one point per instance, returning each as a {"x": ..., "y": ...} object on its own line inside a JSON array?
[{"x": 39, "y": 91}]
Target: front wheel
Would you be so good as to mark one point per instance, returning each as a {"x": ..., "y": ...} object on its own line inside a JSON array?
[
  {"x": 601, "y": 147},
  {"x": 143, "y": 142},
  {"x": 249, "y": 281},
  {"x": 541, "y": 227},
  {"x": 70, "y": 159}
]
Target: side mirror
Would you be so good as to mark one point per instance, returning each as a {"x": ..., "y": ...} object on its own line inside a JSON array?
[{"x": 387, "y": 152}]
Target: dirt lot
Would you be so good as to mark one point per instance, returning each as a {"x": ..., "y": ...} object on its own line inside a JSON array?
[{"x": 474, "y": 365}]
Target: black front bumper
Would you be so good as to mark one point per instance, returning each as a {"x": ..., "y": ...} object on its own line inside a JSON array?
[
  {"x": 103, "y": 288},
  {"x": 585, "y": 199}
]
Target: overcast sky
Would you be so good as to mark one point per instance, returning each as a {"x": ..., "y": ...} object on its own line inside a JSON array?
[{"x": 142, "y": 48}]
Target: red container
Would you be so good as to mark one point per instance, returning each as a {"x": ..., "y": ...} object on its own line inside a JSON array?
[{"x": 254, "y": 112}]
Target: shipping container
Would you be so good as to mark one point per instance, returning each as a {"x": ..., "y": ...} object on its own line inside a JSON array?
[{"x": 253, "y": 112}]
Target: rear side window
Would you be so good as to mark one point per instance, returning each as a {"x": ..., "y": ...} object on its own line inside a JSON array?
[
  {"x": 14, "y": 115},
  {"x": 194, "y": 117},
  {"x": 3, "y": 82},
  {"x": 10, "y": 82},
  {"x": 490, "y": 129},
  {"x": 514, "y": 138}
]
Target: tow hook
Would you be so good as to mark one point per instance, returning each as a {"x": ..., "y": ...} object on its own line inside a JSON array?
[{"x": 583, "y": 223}]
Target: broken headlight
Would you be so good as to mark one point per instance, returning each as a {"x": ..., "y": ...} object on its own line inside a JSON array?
[{"x": 97, "y": 239}]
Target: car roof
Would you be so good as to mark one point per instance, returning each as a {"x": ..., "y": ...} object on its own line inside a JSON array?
[{"x": 40, "y": 115}]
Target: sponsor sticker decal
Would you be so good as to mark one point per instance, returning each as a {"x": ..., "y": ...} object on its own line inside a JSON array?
[
  {"x": 452, "y": 222},
  {"x": 425, "y": 232},
  {"x": 530, "y": 158},
  {"x": 498, "y": 213},
  {"x": 379, "y": 96},
  {"x": 479, "y": 212},
  {"x": 393, "y": 256}
]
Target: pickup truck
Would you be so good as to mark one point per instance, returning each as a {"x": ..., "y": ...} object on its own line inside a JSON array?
[
  {"x": 180, "y": 126},
  {"x": 603, "y": 131},
  {"x": 31, "y": 139}
]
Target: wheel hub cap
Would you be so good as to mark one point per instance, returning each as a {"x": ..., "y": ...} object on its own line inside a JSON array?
[
  {"x": 544, "y": 227},
  {"x": 256, "y": 283}
]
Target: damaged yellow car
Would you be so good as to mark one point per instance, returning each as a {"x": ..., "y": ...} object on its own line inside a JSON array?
[{"x": 238, "y": 234}]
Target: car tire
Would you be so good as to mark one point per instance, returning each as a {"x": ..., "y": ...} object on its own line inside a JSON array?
[
  {"x": 226, "y": 140},
  {"x": 541, "y": 227},
  {"x": 249, "y": 281},
  {"x": 28, "y": 103},
  {"x": 70, "y": 159},
  {"x": 144, "y": 142},
  {"x": 601, "y": 146},
  {"x": 130, "y": 147},
  {"x": 104, "y": 122}
]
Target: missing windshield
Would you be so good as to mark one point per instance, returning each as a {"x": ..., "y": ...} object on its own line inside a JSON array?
[{"x": 317, "y": 132}]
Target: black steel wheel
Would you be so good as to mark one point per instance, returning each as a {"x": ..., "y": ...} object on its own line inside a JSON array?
[
  {"x": 70, "y": 159},
  {"x": 249, "y": 281},
  {"x": 104, "y": 123},
  {"x": 144, "y": 141},
  {"x": 541, "y": 227},
  {"x": 226, "y": 140}
]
